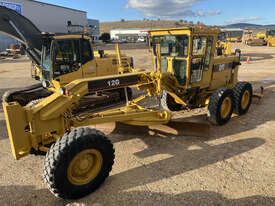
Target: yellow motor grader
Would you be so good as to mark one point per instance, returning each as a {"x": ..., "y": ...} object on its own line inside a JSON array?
[
  {"x": 59, "y": 59},
  {"x": 187, "y": 74},
  {"x": 266, "y": 37}
]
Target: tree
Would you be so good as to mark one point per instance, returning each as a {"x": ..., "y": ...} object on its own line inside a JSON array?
[{"x": 105, "y": 37}]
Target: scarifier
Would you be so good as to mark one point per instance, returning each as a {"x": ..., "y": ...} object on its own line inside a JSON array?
[{"x": 188, "y": 73}]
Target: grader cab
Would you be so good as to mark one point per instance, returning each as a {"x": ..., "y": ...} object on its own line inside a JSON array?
[
  {"x": 187, "y": 75},
  {"x": 70, "y": 57}
]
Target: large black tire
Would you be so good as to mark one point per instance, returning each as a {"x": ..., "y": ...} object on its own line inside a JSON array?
[
  {"x": 217, "y": 99},
  {"x": 242, "y": 97},
  {"x": 63, "y": 153},
  {"x": 168, "y": 103}
]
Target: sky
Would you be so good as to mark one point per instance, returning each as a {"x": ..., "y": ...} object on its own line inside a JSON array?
[{"x": 210, "y": 12}]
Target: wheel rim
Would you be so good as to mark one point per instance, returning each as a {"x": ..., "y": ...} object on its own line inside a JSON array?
[
  {"x": 84, "y": 167},
  {"x": 226, "y": 107},
  {"x": 245, "y": 99}
]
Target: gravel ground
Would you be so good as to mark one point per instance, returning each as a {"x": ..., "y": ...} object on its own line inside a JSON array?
[{"x": 158, "y": 165}]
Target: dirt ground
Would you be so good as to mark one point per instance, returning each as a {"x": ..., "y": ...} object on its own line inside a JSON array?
[{"x": 235, "y": 165}]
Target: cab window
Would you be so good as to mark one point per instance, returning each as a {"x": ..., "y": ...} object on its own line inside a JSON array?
[
  {"x": 66, "y": 56},
  {"x": 87, "y": 54},
  {"x": 172, "y": 45},
  {"x": 201, "y": 56},
  {"x": 208, "y": 53},
  {"x": 199, "y": 45}
]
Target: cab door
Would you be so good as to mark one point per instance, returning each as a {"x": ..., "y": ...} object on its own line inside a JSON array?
[
  {"x": 88, "y": 64},
  {"x": 66, "y": 61},
  {"x": 174, "y": 55},
  {"x": 200, "y": 67}
]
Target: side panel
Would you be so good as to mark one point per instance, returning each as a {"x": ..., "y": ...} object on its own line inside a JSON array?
[
  {"x": 100, "y": 67},
  {"x": 89, "y": 69},
  {"x": 108, "y": 66},
  {"x": 224, "y": 74},
  {"x": 67, "y": 78}
]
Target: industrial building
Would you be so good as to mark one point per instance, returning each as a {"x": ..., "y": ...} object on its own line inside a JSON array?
[
  {"x": 47, "y": 17},
  {"x": 94, "y": 28},
  {"x": 129, "y": 34}
]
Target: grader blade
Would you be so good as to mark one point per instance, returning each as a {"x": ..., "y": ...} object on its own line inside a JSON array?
[{"x": 190, "y": 126}]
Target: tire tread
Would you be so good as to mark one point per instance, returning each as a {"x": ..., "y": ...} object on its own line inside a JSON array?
[{"x": 54, "y": 157}]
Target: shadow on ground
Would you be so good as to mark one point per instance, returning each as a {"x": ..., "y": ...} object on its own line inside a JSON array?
[
  {"x": 28, "y": 195},
  {"x": 183, "y": 159}
]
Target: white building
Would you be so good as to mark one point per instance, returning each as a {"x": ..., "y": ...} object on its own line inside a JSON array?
[
  {"x": 129, "y": 34},
  {"x": 46, "y": 17}
]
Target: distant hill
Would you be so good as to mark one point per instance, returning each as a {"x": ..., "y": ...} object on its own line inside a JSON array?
[
  {"x": 158, "y": 24},
  {"x": 250, "y": 26},
  {"x": 149, "y": 24}
]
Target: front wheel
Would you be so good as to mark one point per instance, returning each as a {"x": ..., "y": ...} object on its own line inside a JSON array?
[{"x": 78, "y": 163}]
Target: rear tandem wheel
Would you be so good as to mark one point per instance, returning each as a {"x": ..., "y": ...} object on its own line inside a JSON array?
[
  {"x": 242, "y": 97},
  {"x": 221, "y": 106}
]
